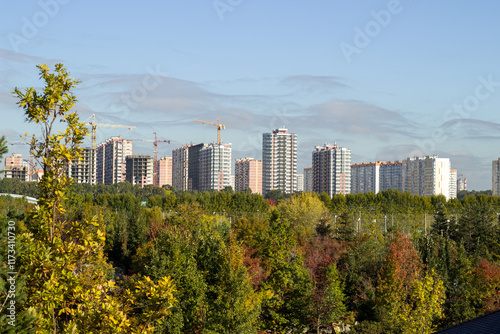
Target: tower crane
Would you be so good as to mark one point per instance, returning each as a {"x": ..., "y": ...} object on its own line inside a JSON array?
[
  {"x": 31, "y": 164},
  {"x": 155, "y": 159},
  {"x": 94, "y": 126},
  {"x": 218, "y": 125}
]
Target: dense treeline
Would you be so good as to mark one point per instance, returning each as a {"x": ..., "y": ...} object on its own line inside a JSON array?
[
  {"x": 123, "y": 259},
  {"x": 241, "y": 265}
]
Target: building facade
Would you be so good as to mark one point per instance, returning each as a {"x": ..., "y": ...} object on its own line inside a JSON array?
[
  {"x": 376, "y": 176},
  {"x": 365, "y": 177},
  {"x": 461, "y": 183},
  {"x": 16, "y": 168},
  {"x": 300, "y": 182},
  {"x": 83, "y": 170},
  {"x": 279, "y": 161},
  {"x": 495, "y": 178},
  {"x": 248, "y": 174},
  {"x": 110, "y": 161},
  {"x": 180, "y": 167},
  {"x": 308, "y": 179},
  {"x": 427, "y": 176},
  {"x": 194, "y": 172},
  {"x": 164, "y": 168},
  {"x": 453, "y": 183},
  {"x": 139, "y": 169},
  {"x": 391, "y": 175},
  {"x": 331, "y": 167},
  {"x": 214, "y": 167}
]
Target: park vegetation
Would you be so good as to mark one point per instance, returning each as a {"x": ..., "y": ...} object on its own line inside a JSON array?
[{"x": 124, "y": 259}]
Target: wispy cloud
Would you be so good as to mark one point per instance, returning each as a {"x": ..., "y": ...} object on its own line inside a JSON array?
[{"x": 311, "y": 83}]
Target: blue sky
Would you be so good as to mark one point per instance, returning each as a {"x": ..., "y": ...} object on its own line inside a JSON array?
[{"x": 386, "y": 79}]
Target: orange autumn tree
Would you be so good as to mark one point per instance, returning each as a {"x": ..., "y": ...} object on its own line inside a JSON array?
[{"x": 409, "y": 298}]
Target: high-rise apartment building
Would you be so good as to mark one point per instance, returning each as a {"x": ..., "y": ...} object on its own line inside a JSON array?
[
  {"x": 453, "y": 183},
  {"x": 248, "y": 174},
  {"x": 308, "y": 179},
  {"x": 139, "y": 169},
  {"x": 331, "y": 170},
  {"x": 427, "y": 176},
  {"x": 391, "y": 175},
  {"x": 495, "y": 178},
  {"x": 194, "y": 172},
  {"x": 180, "y": 167},
  {"x": 111, "y": 165},
  {"x": 300, "y": 182},
  {"x": 16, "y": 160},
  {"x": 16, "y": 168},
  {"x": 214, "y": 166},
  {"x": 83, "y": 170},
  {"x": 164, "y": 168},
  {"x": 376, "y": 176},
  {"x": 461, "y": 183},
  {"x": 279, "y": 161},
  {"x": 201, "y": 167},
  {"x": 365, "y": 177}
]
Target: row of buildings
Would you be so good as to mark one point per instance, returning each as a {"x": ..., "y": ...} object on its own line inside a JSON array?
[{"x": 200, "y": 167}]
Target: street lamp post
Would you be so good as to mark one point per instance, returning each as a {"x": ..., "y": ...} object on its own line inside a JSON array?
[{"x": 385, "y": 223}]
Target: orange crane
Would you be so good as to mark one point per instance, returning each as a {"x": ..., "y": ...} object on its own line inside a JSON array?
[
  {"x": 94, "y": 126},
  {"x": 31, "y": 164},
  {"x": 219, "y": 127},
  {"x": 155, "y": 159}
]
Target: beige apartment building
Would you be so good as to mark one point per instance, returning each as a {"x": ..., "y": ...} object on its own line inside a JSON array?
[{"x": 248, "y": 174}]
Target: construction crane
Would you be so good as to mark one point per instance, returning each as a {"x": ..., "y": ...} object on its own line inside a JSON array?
[
  {"x": 31, "y": 164},
  {"x": 155, "y": 159},
  {"x": 94, "y": 126},
  {"x": 219, "y": 127}
]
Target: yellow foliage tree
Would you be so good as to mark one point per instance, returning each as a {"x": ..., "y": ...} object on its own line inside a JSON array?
[
  {"x": 304, "y": 212},
  {"x": 68, "y": 281}
]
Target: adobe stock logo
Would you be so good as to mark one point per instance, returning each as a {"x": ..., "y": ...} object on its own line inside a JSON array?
[
  {"x": 140, "y": 92},
  {"x": 221, "y": 7},
  {"x": 30, "y": 28},
  {"x": 363, "y": 37}
]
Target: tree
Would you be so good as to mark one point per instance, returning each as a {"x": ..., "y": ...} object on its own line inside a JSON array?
[
  {"x": 287, "y": 288},
  {"x": 304, "y": 212},
  {"x": 328, "y": 299},
  {"x": 68, "y": 280},
  {"x": 3, "y": 149},
  {"x": 408, "y": 301}
]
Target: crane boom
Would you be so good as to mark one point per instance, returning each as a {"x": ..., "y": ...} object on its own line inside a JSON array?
[
  {"x": 218, "y": 125},
  {"x": 94, "y": 126}
]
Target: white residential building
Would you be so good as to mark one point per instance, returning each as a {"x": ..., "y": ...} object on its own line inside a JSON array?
[
  {"x": 331, "y": 167},
  {"x": 300, "y": 182},
  {"x": 376, "y": 176},
  {"x": 427, "y": 176},
  {"x": 453, "y": 183},
  {"x": 279, "y": 161},
  {"x": 111, "y": 154},
  {"x": 214, "y": 167}
]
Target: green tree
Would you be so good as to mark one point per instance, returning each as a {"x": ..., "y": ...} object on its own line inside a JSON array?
[
  {"x": 68, "y": 280},
  {"x": 329, "y": 300},
  {"x": 409, "y": 301},
  {"x": 3, "y": 149},
  {"x": 287, "y": 289}
]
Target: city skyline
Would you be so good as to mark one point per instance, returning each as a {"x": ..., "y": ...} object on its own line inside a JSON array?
[{"x": 386, "y": 79}]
